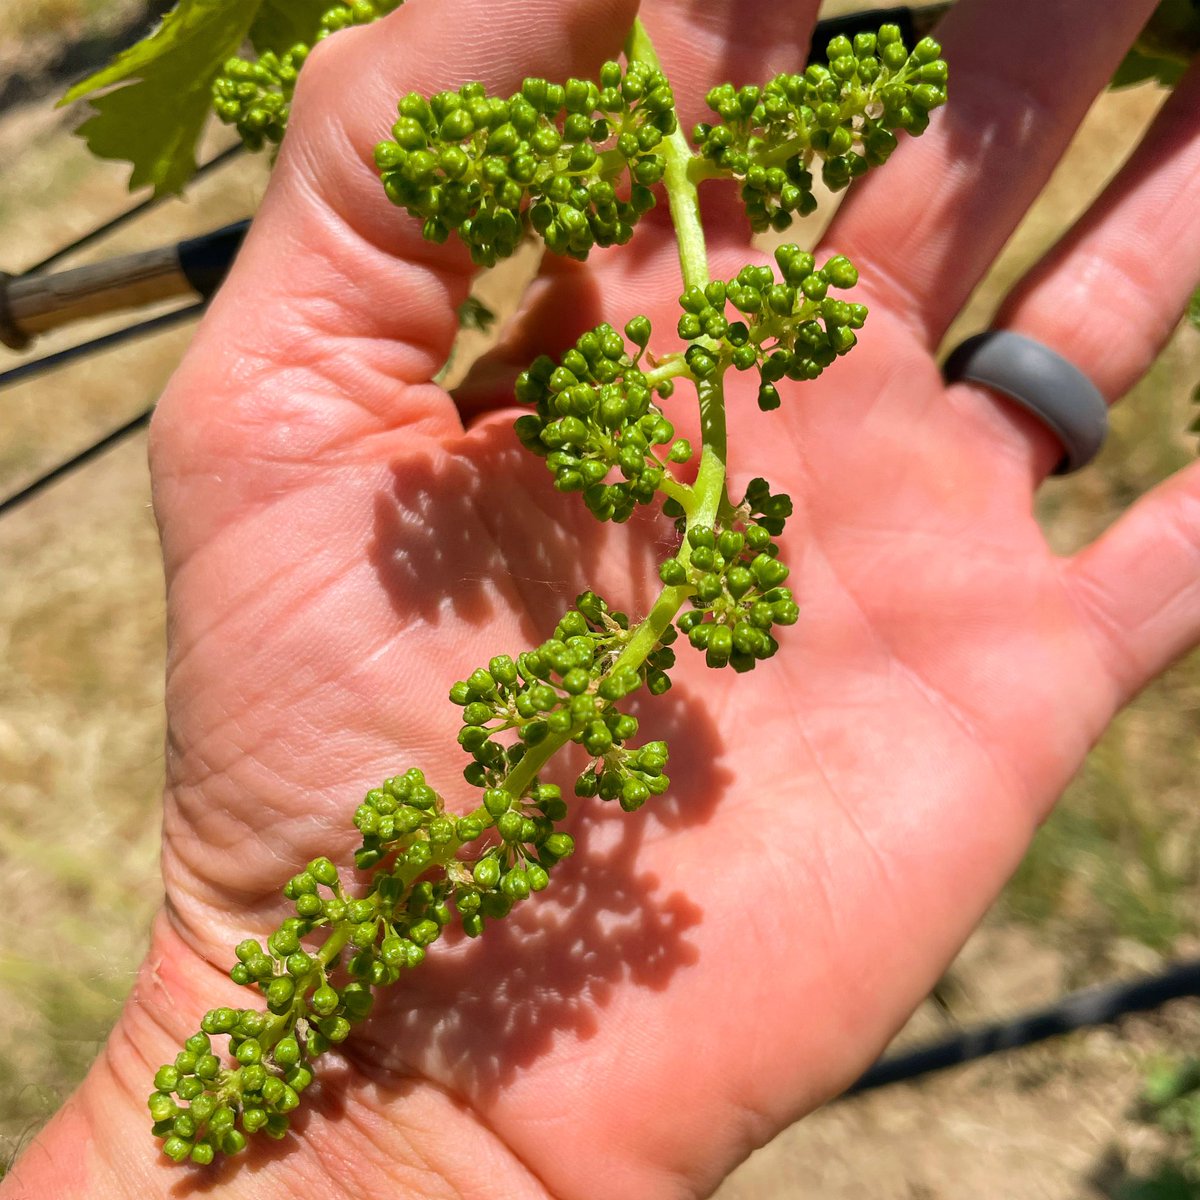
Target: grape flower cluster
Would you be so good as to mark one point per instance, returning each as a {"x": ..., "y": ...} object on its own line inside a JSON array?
[
  {"x": 596, "y": 414},
  {"x": 430, "y": 870},
  {"x": 734, "y": 579},
  {"x": 788, "y": 327},
  {"x": 845, "y": 114},
  {"x": 569, "y": 688},
  {"x": 576, "y": 164},
  {"x": 255, "y": 95},
  {"x": 554, "y": 158}
]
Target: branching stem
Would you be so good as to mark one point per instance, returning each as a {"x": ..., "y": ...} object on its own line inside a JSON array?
[{"x": 681, "y": 190}]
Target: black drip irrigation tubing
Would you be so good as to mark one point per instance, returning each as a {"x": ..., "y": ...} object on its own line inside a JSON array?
[
  {"x": 123, "y": 218},
  {"x": 93, "y": 451},
  {"x": 70, "y": 465},
  {"x": 1081, "y": 1010},
  {"x": 50, "y": 362}
]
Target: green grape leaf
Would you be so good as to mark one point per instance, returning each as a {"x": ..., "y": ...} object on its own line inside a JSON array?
[
  {"x": 281, "y": 24},
  {"x": 1137, "y": 68},
  {"x": 1173, "y": 31},
  {"x": 1164, "y": 48},
  {"x": 154, "y": 116}
]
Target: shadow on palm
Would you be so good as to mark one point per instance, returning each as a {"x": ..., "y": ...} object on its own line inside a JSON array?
[{"x": 487, "y": 1010}]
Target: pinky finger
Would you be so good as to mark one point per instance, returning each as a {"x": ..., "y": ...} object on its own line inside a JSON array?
[{"x": 1137, "y": 587}]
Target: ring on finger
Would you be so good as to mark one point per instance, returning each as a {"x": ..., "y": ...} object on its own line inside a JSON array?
[{"x": 1043, "y": 383}]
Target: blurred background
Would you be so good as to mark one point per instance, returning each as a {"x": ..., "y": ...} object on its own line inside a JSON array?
[{"x": 1110, "y": 890}]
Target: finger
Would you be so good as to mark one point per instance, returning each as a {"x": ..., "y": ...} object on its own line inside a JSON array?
[
  {"x": 699, "y": 46},
  {"x": 1138, "y": 586},
  {"x": 330, "y": 262},
  {"x": 1022, "y": 74},
  {"x": 560, "y": 304},
  {"x": 725, "y": 41},
  {"x": 1109, "y": 294}
]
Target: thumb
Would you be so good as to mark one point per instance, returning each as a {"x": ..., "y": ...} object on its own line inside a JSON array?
[{"x": 327, "y": 182}]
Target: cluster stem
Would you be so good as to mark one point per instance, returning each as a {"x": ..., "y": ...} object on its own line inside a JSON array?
[{"x": 701, "y": 503}]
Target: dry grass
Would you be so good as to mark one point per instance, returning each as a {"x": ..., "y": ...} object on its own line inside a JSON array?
[
  {"x": 81, "y": 724},
  {"x": 63, "y": 19},
  {"x": 1110, "y": 886}
]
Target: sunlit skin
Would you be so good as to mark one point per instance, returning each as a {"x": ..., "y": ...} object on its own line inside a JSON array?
[{"x": 342, "y": 542}]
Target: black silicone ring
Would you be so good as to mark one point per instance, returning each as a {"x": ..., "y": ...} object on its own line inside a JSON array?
[{"x": 1042, "y": 382}]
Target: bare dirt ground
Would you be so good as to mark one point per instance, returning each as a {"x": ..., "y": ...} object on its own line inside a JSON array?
[{"x": 1112, "y": 887}]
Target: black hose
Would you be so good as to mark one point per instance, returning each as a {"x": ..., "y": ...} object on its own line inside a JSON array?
[
  {"x": 38, "y": 485},
  {"x": 1080, "y": 1010},
  {"x": 61, "y": 358},
  {"x": 123, "y": 218},
  {"x": 73, "y": 464}
]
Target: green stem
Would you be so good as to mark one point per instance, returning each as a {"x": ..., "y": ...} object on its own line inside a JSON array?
[
  {"x": 670, "y": 366},
  {"x": 705, "y": 499},
  {"x": 521, "y": 777},
  {"x": 700, "y": 169},
  {"x": 680, "y": 179},
  {"x": 333, "y": 945},
  {"x": 654, "y": 625},
  {"x": 701, "y": 502},
  {"x": 679, "y": 492},
  {"x": 710, "y": 478},
  {"x": 681, "y": 190},
  {"x": 786, "y": 150}
]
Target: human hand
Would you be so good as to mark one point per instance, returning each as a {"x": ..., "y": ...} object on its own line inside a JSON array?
[{"x": 339, "y": 549}]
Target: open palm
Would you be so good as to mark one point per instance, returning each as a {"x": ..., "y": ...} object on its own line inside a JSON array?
[{"x": 343, "y": 542}]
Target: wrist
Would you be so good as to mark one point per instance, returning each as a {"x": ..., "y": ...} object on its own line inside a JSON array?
[{"x": 359, "y": 1137}]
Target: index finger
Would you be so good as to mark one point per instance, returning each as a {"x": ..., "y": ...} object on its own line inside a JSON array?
[{"x": 1022, "y": 75}]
